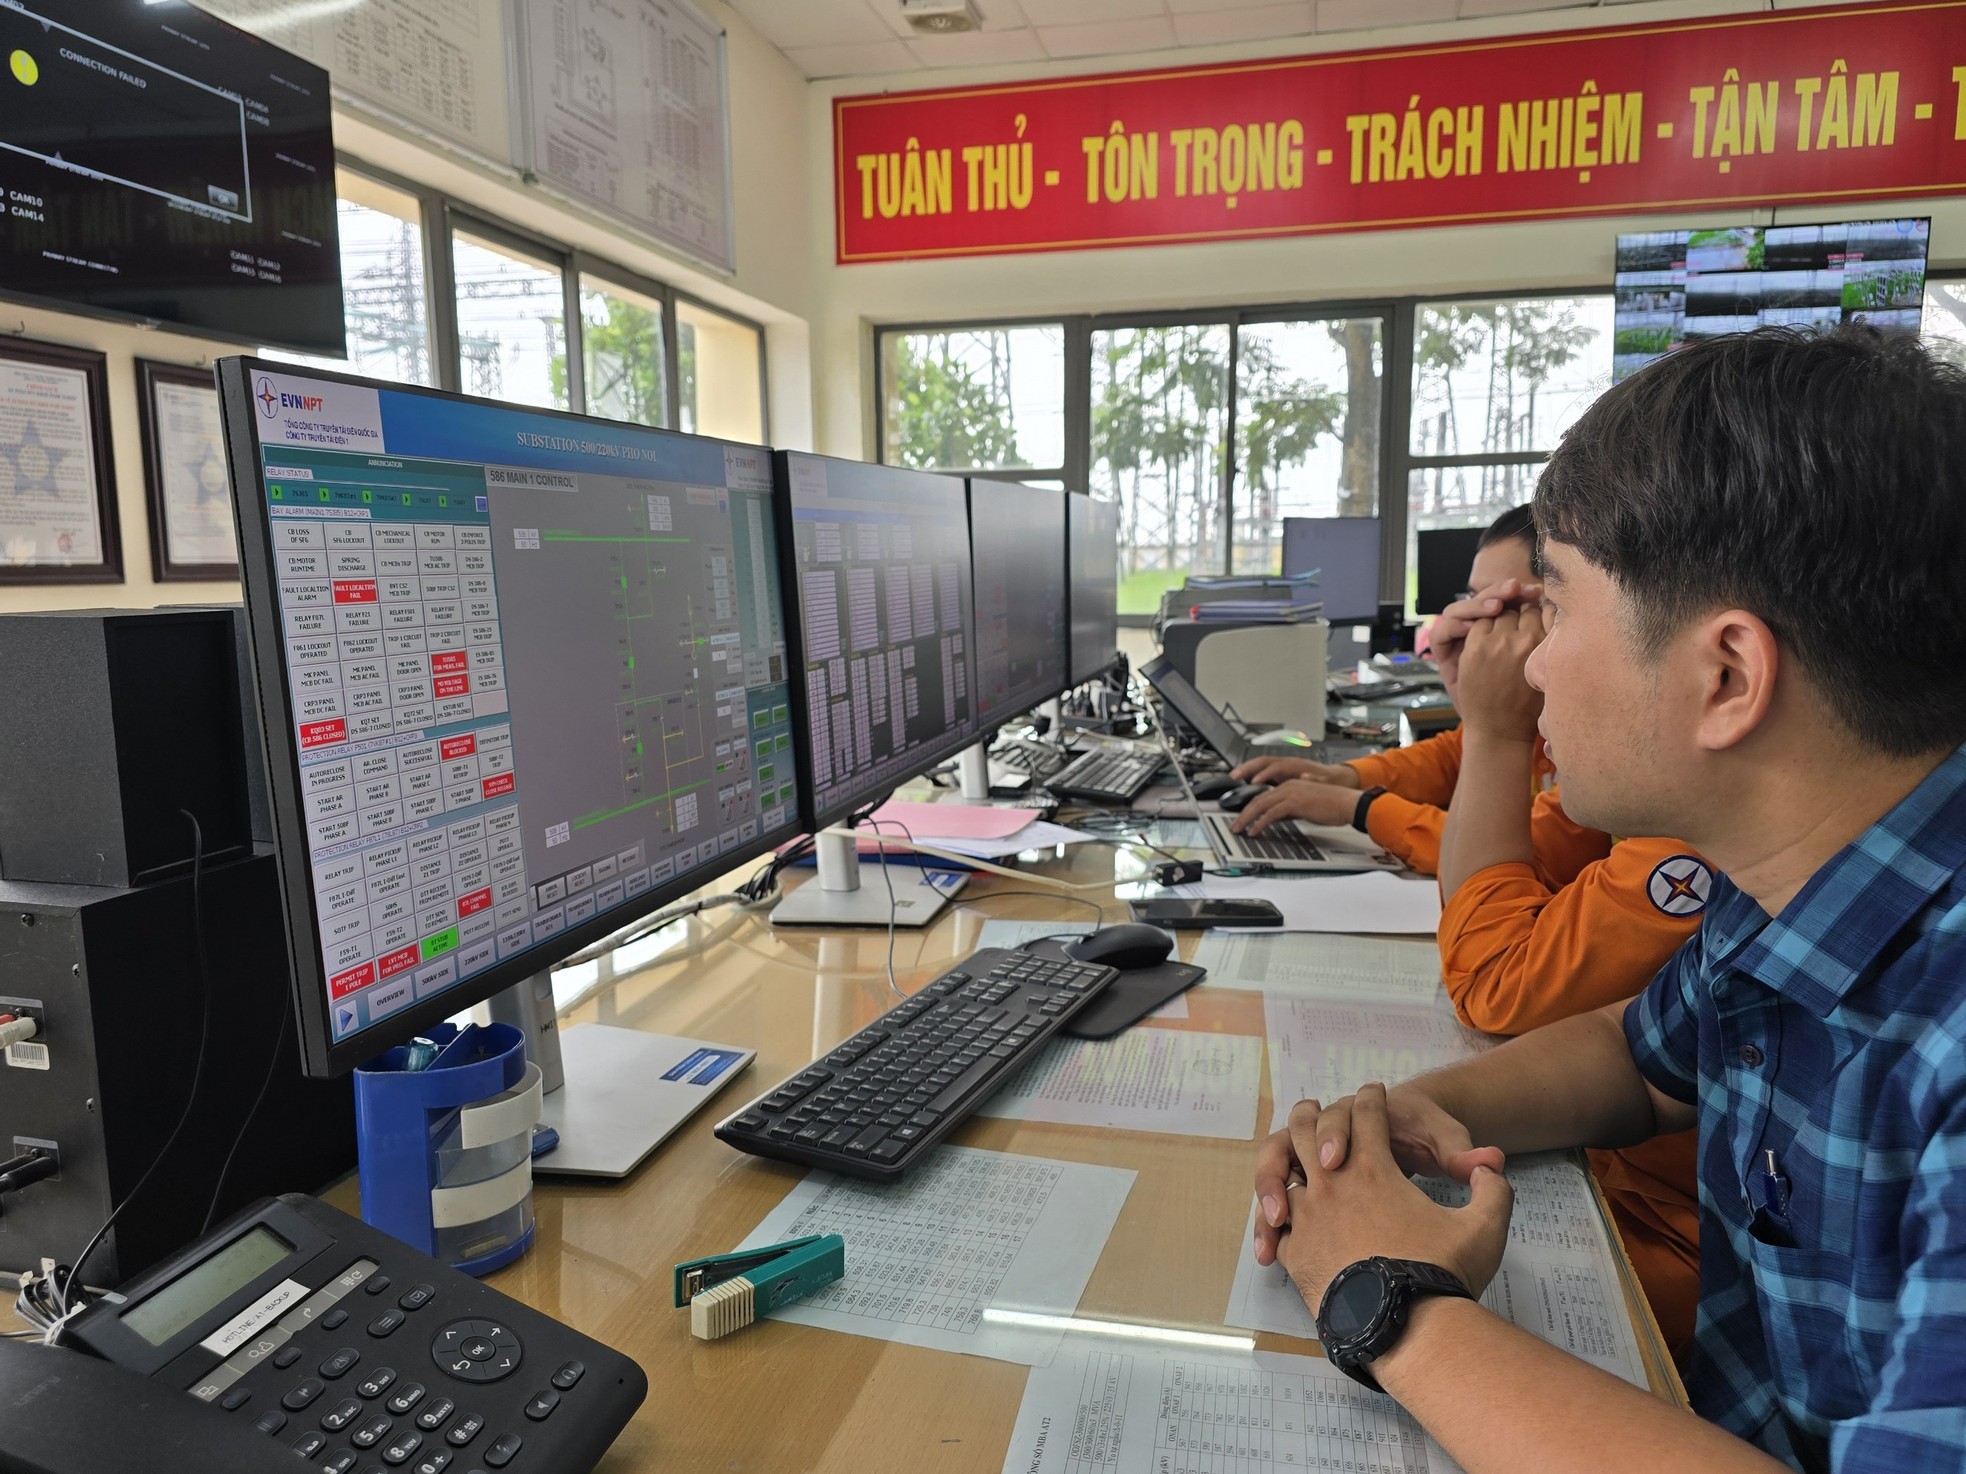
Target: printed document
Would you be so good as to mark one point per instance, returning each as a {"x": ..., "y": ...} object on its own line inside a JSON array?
[
  {"x": 977, "y": 1251},
  {"x": 1177, "y": 1081},
  {"x": 1139, "y": 1407},
  {"x": 1321, "y": 1051},
  {"x": 1329, "y": 966},
  {"x": 1374, "y": 902},
  {"x": 1559, "y": 1277}
]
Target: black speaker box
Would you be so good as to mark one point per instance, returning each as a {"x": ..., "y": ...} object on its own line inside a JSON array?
[
  {"x": 115, "y": 724},
  {"x": 115, "y": 979}
]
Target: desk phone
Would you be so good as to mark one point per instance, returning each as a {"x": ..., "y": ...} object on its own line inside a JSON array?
[{"x": 361, "y": 1353}]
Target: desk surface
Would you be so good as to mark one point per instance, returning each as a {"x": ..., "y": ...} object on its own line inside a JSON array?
[{"x": 780, "y": 1396}]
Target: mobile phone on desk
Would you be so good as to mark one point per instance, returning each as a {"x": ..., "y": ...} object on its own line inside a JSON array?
[{"x": 1177, "y": 914}]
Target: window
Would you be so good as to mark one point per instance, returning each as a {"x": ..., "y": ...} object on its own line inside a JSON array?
[
  {"x": 511, "y": 323},
  {"x": 1160, "y": 431},
  {"x": 1495, "y": 384},
  {"x": 621, "y": 354},
  {"x": 720, "y": 373},
  {"x": 1945, "y": 319},
  {"x": 1308, "y": 399},
  {"x": 385, "y": 298},
  {"x": 974, "y": 399}
]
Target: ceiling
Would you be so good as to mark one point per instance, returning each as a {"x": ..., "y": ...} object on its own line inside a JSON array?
[{"x": 853, "y": 38}]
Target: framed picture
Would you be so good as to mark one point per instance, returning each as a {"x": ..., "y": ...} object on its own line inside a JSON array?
[
  {"x": 192, "y": 536},
  {"x": 57, "y": 483}
]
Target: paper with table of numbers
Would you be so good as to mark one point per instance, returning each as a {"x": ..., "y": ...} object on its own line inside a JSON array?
[
  {"x": 983, "y": 1252},
  {"x": 1325, "y": 965},
  {"x": 1176, "y": 1081},
  {"x": 1559, "y": 1277},
  {"x": 1322, "y": 1050},
  {"x": 1129, "y": 1407}
]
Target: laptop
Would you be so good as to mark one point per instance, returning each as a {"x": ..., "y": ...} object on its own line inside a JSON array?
[{"x": 1291, "y": 845}]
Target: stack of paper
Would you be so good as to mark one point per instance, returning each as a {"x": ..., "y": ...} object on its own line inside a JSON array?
[{"x": 980, "y": 831}]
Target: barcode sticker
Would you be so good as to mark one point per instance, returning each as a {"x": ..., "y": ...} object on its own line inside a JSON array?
[{"x": 28, "y": 1056}]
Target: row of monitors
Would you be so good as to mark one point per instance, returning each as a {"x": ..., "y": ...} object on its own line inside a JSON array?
[{"x": 528, "y": 676}]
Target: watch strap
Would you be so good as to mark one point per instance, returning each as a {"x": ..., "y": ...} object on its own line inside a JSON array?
[
  {"x": 1404, "y": 1281},
  {"x": 1363, "y": 807}
]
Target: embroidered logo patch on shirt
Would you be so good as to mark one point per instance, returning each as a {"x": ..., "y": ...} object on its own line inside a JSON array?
[{"x": 1680, "y": 886}]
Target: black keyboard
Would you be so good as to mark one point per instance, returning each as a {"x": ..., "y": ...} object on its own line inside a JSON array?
[
  {"x": 1106, "y": 777},
  {"x": 877, "y": 1104}
]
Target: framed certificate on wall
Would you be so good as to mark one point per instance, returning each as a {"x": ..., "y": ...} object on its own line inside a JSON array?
[
  {"x": 57, "y": 483},
  {"x": 191, "y": 530}
]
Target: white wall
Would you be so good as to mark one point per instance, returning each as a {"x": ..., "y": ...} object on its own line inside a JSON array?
[
  {"x": 772, "y": 285},
  {"x": 848, "y": 301}
]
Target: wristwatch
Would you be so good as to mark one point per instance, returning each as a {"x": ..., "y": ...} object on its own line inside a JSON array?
[
  {"x": 1364, "y": 1310},
  {"x": 1364, "y": 804}
]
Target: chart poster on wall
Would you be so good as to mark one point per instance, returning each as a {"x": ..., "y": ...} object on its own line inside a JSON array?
[
  {"x": 1854, "y": 103},
  {"x": 629, "y": 112},
  {"x": 57, "y": 491},
  {"x": 191, "y": 532},
  {"x": 437, "y": 65}
]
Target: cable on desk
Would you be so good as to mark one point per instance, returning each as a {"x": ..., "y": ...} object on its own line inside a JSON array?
[{"x": 69, "y": 1279}]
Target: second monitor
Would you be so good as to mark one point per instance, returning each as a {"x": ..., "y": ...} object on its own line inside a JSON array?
[
  {"x": 879, "y": 558},
  {"x": 1017, "y": 538}
]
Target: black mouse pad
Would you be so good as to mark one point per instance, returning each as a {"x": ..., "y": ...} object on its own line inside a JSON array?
[{"x": 1129, "y": 998}]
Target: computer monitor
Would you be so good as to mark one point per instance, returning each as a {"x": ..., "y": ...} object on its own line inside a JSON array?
[
  {"x": 1344, "y": 552},
  {"x": 1017, "y": 546},
  {"x": 1093, "y": 538},
  {"x": 1443, "y": 556},
  {"x": 523, "y": 679},
  {"x": 877, "y": 558}
]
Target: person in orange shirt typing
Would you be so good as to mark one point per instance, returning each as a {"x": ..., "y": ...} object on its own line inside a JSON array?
[{"x": 1411, "y": 786}]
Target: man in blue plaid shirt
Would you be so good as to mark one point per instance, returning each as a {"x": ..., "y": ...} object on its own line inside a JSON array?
[{"x": 1751, "y": 637}]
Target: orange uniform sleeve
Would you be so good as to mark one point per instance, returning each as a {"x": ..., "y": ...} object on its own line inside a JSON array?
[
  {"x": 1518, "y": 952},
  {"x": 1424, "y": 773},
  {"x": 1408, "y": 831}
]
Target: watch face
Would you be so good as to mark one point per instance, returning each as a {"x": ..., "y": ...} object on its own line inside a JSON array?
[{"x": 1354, "y": 1304}]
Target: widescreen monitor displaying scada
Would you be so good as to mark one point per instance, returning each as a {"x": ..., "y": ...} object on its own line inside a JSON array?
[
  {"x": 1017, "y": 542},
  {"x": 881, "y": 560},
  {"x": 524, "y": 678}
]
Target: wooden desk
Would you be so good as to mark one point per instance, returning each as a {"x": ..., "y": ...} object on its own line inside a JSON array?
[{"x": 788, "y": 1397}]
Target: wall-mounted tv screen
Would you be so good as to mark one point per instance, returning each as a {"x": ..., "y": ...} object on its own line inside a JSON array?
[
  {"x": 1677, "y": 286},
  {"x": 159, "y": 164}
]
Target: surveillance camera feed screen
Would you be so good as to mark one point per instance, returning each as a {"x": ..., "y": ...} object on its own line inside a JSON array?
[
  {"x": 161, "y": 164},
  {"x": 1677, "y": 286}
]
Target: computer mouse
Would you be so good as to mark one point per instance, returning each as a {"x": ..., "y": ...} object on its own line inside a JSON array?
[
  {"x": 1214, "y": 785},
  {"x": 1281, "y": 737},
  {"x": 1129, "y": 945},
  {"x": 1238, "y": 799}
]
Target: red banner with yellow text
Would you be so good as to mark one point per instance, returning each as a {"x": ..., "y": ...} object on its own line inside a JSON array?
[{"x": 1865, "y": 102}]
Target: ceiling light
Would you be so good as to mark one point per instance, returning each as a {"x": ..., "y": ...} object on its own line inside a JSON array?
[{"x": 941, "y": 17}]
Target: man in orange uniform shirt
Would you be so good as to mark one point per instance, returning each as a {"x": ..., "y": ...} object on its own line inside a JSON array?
[
  {"x": 1406, "y": 819},
  {"x": 1523, "y": 945}
]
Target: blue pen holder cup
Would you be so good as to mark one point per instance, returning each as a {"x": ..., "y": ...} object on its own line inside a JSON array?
[{"x": 445, "y": 1153}]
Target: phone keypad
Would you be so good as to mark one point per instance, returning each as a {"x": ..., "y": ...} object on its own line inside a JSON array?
[{"x": 383, "y": 1416}]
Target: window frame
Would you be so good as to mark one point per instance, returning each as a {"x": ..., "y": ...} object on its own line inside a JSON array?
[
  {"x": 443, "y": 215},
  {"x": 1076, "y": 473},
  {"x": 672, "y": 351}
]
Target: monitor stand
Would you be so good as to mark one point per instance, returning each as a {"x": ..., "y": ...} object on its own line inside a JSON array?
[
  {"x": 973, "y": 767},
  {"x": 850, "y": 891},
  {"x": 608, "y": 1119}
]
